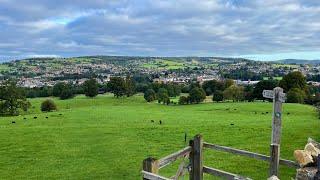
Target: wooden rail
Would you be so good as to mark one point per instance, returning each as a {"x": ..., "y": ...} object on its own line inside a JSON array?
[
  {"x": 223, "y": 174},
  {"x": 249, "y": 154},
  {"x": 174, "y": 156},
  {"x": 151, "y": 176}
]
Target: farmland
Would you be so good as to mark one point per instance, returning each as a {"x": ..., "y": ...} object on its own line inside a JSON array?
[{"x": 105, "y": 137}]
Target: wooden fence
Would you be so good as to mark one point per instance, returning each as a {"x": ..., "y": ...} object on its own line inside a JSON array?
[{"x": 195, "y": 166}]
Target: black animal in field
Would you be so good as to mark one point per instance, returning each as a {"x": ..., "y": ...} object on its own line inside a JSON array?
[
  {"x": 35, "y": 117},
  {"x": 13, "y": 122},
  {"x": 160, "y": 122}
]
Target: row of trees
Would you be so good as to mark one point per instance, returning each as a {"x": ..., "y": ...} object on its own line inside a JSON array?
[{"x": 294, "y": 84}]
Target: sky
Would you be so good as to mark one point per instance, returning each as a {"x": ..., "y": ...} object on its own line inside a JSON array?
[{"x": 260, "y": 29}]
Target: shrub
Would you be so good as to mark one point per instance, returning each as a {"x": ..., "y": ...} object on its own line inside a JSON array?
[{"x": 48, "y": 105}]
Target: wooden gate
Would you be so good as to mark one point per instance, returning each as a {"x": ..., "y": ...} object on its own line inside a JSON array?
[{"x": 195, "y": 166}]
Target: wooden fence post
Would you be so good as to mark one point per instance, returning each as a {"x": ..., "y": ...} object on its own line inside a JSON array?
[
  {"x": 196, "y": 158},
  {"x": 274, "y": 159},
  {"x": 151, "y": 165}
]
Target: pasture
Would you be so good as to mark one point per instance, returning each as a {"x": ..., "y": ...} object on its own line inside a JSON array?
[{"x": 107, "y": 138}]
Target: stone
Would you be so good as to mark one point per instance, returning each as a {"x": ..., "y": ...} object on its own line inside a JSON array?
[
  {"x": 273, "y": 178},
  {"x": 303, "y": 158},
  {"x": 315, "y": 143},
  {"x": 311, "y": 149},
  {"x": 307, "y": 173}
]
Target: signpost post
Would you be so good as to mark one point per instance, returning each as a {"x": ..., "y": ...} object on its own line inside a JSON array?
[{"x": 278, "y": 98}]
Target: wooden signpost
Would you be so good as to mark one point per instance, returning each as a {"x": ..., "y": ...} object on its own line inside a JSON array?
[{"x": 278, "y": 98}]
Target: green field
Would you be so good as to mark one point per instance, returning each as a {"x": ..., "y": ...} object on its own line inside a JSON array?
[{"x": 107, "y": 138}]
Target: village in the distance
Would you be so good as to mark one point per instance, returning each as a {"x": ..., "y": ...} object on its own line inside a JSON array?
[{"x": 43, "y": 72}]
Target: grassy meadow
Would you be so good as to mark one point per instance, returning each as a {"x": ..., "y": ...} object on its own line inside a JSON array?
[{"x": 107, "y": 138}]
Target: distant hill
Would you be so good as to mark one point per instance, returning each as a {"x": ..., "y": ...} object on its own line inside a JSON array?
[{"x": 298, "y": 61}]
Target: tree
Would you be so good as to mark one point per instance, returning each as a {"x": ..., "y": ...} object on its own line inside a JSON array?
[
  {"x": 217, "y": 96},
  {"x": 57, "y": 89},
  {"x": 263, "y": 85},
  {"x": 183, "y": 100},
  {"x": 117, "y": 86},
  {"x": 91, "y": 88},
  {"x": 293, "y": 80},
  {"x": 248, "y": 93},
  {"x": 197, "y": 95},
  {"x": 163, "y": 95},
  {"x": 66, "y": 92},
  {"x": 212, "y": 86},
  {"x": 150, "y": 95},
  {"x": 228, "y": 83},
  {"x": 295, "y": 95},
  {"x": 130, "y": 86},
  {"x": 234, "y": 93},
  {"x": 12, "y": 99},
  {"x": 48, "y": 105}
]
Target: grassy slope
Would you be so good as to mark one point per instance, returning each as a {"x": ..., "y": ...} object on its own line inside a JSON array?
[{"x": 108, "y": 138}]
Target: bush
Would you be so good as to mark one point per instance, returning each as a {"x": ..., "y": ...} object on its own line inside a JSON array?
[{"x": 48, "y": 105}]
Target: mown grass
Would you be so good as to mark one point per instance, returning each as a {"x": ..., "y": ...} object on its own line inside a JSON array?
[{"x": 107, "y": 138}]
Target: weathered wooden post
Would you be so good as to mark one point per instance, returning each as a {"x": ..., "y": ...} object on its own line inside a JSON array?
[
  {"x": 278, "y": 98},
  {"x": 150, "y": 165},
  {"x": 196, "y": 158}
]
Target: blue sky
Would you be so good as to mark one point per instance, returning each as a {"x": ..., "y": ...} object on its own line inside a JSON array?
[{"x": 260, "y": 30}]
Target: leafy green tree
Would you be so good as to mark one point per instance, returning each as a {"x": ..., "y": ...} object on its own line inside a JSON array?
[
  {"x": 263, "y": 85},
  {"x": 117, "y": 86},
  {"x": 48, "y": 105},
  {"x": 57, "y": 89},
  {"x": 234, "y": 93},
  {"x": 228, "y": 83},
  {"x": 12, "y": 99},
  {"x": 150, "y": 95},
  {"x": 212, "y": 86},
  {"x": 163, "y": 95},
  {"x": 130, "y": 86},
  {"x": 91, "y": 88},
  {"x": 66, "y": 92},
  {"x": 248, "y": 93},
  {"x": 197, "y": 95},
  {"x": 217, "y": 96},
  {"x": 296, "y": 95},
  {"x": 183, "y": 100},
  {"x": 293, "y": 80}
]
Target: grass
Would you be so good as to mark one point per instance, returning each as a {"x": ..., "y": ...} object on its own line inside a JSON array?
[
  {"x": 164, "y": 64},
  {"x": 107, "y": 138},
  {"x": 4, "y": 67}
]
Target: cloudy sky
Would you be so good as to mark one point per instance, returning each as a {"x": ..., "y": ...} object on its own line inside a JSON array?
[{"x": 260, "y": 29}]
